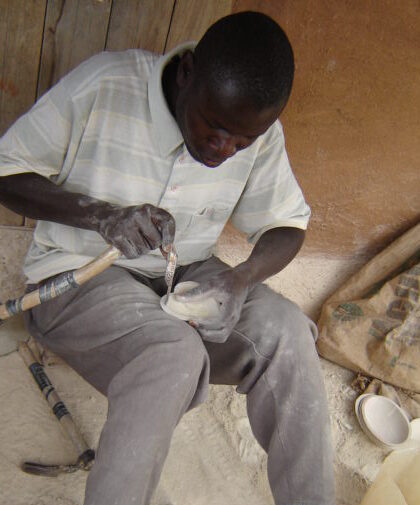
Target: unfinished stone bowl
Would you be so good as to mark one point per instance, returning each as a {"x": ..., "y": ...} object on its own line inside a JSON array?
[{"x": 206, "y": 309}]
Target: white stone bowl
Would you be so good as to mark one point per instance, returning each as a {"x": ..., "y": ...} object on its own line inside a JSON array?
[
  {"x": 382, "y": 420},
  {"x": 199, "y": 311}
]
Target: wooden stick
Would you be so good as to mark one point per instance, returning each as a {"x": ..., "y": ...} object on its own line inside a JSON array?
[
  {"x": 85, "y": 454},
  {"x": 60, "y": 284}
]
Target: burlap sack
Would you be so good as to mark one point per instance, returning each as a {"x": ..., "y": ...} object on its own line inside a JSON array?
[{"x": 372, "y": 323}]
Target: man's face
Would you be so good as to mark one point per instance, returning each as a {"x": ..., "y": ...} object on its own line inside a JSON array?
[{"x": 216, "y": 127}]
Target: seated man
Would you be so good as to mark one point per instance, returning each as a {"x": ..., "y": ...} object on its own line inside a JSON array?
[{"x": 142, "y": 151}]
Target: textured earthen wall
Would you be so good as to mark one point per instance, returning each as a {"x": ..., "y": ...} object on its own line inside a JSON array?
[{"x": 353, "y": 122}]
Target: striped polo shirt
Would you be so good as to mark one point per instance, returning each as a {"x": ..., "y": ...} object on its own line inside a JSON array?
[{"x": 105, "y": 130}]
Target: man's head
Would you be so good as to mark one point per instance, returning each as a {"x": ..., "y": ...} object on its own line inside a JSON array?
[{"x": 234, "y": 86}]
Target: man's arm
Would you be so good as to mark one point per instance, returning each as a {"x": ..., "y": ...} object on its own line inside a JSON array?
[
  {"x": 134, "y": 230},
  {"x": 273, "y": 251}
]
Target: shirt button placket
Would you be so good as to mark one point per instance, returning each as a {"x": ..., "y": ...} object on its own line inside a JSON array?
[{"x": 172, "y": 187}]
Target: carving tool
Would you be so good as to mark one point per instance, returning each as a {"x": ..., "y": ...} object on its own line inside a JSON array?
[
  {"x": 11, "y": 333},
  {"x": 60, "y": 284},
  {"x": 86, "y": 455},
  {"x": 171, "y": 261}
]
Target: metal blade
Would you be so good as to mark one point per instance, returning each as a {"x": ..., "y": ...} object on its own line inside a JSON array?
[{"x": 171, "y": 260}]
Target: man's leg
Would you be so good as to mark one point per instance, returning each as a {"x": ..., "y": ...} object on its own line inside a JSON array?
[
  {"x": 271, "y": 356},
  {"x": 152, "y": 368}
]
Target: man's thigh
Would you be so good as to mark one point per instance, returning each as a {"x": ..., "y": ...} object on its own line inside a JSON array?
[{"x": 104, "y": 324}]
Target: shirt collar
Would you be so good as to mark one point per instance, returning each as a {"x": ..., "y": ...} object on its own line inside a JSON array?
[{"x": 165, "y": 128}]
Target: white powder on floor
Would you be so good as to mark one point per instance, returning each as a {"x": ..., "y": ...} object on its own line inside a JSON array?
[{"x": 214, "y": 459}]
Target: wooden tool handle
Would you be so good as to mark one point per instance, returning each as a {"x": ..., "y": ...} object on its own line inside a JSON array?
[
  {"x": 57, "y": 405},
  {"x": 96, "y": 266},
  {"x": 60, "y": 284}
]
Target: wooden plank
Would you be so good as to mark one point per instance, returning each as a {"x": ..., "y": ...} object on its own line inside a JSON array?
[
  {"x": 21, "y": 27},
  {"x": 74, "y": 31},
  {"x": 192, "y": 18},
  {"x": 139, "y": 24}
]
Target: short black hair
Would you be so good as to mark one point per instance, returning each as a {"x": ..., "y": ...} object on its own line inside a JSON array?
[{"x": 252, "y": 51}]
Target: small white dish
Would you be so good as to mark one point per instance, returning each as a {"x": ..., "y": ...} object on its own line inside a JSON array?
[
  {"x": 358, "y": 411},
  {"x": 382, "y": 420},
  {"x": 205, "y": 309}
]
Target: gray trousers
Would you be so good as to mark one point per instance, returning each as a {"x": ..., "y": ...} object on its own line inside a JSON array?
[{"x": 153, "y": 368}]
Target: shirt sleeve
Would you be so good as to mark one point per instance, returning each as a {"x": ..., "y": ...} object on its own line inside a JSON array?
[
  {"x": 46, "y": 138},
  {"x": 272, "y": 197},
  {"x": 39, "y": 140}
]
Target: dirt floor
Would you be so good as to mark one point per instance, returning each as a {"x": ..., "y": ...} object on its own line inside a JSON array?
[{"x": 214, "y": 458}]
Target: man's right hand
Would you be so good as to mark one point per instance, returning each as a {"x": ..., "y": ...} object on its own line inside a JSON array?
[
  {"x": 138, "y": 229},
  {"x": 133, "y": 230}
]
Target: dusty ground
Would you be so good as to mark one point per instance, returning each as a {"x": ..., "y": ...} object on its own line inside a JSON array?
[{"x": 214, "y": 458}]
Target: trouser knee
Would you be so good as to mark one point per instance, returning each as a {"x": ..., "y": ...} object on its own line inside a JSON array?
[
  {"x": 179, "y": 362},
  {"x": 275, "y": 324}
]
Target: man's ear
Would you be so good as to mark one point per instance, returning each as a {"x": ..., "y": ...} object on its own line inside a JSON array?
[{"x": 185, "y": 71}]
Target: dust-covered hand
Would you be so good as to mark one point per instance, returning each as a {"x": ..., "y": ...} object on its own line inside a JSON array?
[
  {"x": 136, "y": 230},
  {"x": 230, "y": 290}
]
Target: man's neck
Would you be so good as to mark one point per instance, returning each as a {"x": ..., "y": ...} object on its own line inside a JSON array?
[{"x": 169, "y": 85}]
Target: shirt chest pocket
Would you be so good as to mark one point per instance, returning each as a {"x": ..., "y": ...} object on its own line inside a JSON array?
[{"x": 209, "y": 221}]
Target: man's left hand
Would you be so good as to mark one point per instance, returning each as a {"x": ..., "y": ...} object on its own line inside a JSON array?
[{"x": 230, "y": 291}]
